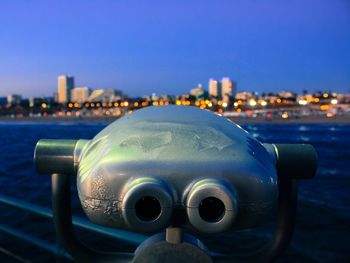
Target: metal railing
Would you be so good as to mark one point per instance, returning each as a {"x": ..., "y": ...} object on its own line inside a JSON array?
[{"x": 55, "y": 249}]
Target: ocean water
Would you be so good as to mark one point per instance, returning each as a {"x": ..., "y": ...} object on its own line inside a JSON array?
[{"x": 322, "y": 232}]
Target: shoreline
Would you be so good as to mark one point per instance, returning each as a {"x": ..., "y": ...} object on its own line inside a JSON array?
[{"x": 238, "y": 120}]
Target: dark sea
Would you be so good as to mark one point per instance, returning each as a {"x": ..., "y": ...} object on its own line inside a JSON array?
[{"x": 322, "y": 231}]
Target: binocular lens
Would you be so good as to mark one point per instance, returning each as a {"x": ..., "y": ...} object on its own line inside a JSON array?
[
  {"x": 211, "y": 209},
  {"x": 148, "y": 208},
  {"x": 211, "y": 206},
  {"x": 147, "y": 204}
]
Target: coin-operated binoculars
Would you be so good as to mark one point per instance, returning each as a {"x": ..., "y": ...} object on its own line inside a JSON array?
[{"x": 178, "y": 169}]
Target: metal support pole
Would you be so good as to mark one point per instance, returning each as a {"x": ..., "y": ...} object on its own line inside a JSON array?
[
  {"x": 287, "y": 205},
  {"x": 64, "y": 229}
]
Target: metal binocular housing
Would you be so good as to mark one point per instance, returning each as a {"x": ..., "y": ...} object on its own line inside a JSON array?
[{"x": 178, "y": 167}]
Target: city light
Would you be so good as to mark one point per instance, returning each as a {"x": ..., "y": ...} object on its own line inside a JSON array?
[
  {"x": 334, "y": 101},
  {"x": 324, "y": 107},
  {"x": 109, "y": 102},
  {"x": 252, "y": 103},
  {"x": 285, "y": 115},
  {"x": 302, "y": 102}
]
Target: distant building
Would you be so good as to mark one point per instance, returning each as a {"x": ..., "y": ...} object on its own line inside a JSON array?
[
  {"x": 80, "y": 94},
  {"x": 245, "y": 96},
  {"x": 343, "y": 98},
  {"x": 14, "y": 99},
  {"x": 31, "y": 102},
  {"x": 65, "y": 85},
  {"x": 286, "y": 95},
  {"x": 199, "y": 92},
  {"x": 37, "y": 101},
  {"x": 214, "y": 88},
  {"x": 105, "y": 95},
  {"x": 167, "y": 98},
  {"x": 55, "y": 96},
  {"x": 270, "y": 97},
  {"x": 228, "y": 88}
]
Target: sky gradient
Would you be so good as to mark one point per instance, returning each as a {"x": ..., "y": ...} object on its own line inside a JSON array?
[{"x": 168, "y": 47}]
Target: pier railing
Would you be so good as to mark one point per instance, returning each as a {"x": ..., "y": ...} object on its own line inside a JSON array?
[{"x": 55, "y": 249}]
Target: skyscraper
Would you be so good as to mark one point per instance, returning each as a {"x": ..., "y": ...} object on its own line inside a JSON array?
[
  {"x": 65, "y": 85},
  {"x": 14, "y": 99},
  {"x": 227, "y": 89},
  {"x": 214, "y": 88}
]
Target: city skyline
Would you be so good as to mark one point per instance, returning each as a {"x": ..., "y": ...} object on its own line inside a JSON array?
[
  {"x": 168, "y": 48},
  {"x": 217, "y": 88}
]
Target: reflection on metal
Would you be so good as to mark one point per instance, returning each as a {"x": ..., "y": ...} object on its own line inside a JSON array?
[
  {"x": 146, "y": 170},
  {"x": 211, "y": 206},
  {"x": 176, "y": 146}
]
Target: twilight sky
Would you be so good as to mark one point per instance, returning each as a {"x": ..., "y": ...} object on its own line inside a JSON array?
[{"x": 168, "y": 47}]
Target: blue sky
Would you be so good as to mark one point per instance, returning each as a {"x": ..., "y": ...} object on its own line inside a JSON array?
[{"x": 168, "y": 47}]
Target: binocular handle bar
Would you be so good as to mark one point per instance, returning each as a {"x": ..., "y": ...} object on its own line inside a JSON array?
[{"x": 293, "y": 161}]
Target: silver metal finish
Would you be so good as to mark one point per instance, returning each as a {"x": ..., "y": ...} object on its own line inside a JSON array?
[
  {"x": 174, "y": 168},
  {"x": 210, "y": 188},
  {"x": 182, "y": 248},
  {"x": 140, "y": 189},
  {"x": 58, "y": 156},
  {"x": 170, "y": 151},
  {"x": 173, "y": 235}
]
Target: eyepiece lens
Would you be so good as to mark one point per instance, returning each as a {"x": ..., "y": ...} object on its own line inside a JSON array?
[
  {"x": 148, "y": 208},
  {"x": 211, "y": 209}
]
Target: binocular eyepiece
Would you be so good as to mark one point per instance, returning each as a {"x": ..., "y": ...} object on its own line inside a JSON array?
[
  {"x": 148, "y": 205},
  {"x": 179, "y": 166}
]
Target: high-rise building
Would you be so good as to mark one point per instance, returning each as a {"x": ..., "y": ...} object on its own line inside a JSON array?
[
  {"x": 65, "y": 85},
  {"x": 80, "y": 94},
  {"x": 228, "y": 88},
  {"x": 14, "y": 99},
  {"x": 214, "y": 88}
]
